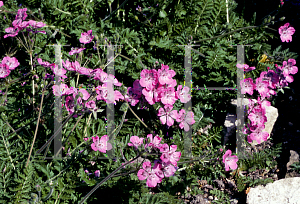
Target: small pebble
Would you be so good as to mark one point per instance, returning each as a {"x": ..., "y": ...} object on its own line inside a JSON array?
[{"x": 210, "y": 197}]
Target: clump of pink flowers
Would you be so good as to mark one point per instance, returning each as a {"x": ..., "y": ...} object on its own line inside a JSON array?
[
  {"x": 158, "y": 86},
  {"x": 265, "y": 85},
  {"x": 165, "y": 167}
]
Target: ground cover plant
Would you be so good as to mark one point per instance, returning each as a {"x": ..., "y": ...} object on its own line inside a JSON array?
[{"x": 150, "y": 120}]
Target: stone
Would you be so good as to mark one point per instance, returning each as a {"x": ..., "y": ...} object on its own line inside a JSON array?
[
  {"x": 231, "y": 122},
  {"x": 293, "y": 159},
  {"x": 285, "y": 191}
]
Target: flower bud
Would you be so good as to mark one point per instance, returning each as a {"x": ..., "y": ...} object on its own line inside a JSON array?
[
  {"x": 282, "y": 18},
  {"x": 273, "y": 17},
  {"x": 38, "y": 188},
  {"x": 265, "y": 21}
]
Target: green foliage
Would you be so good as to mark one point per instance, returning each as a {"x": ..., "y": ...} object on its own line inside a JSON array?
[
  {"x": 159, "y": 198},
  {"x": 295, "y": 167},
  {"x": 143, "y": 43},
  {"x": 261, "y": 160},
  {"x": 222, "y": 197}
]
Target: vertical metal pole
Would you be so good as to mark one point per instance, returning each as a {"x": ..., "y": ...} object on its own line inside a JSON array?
[
  {"x": 188, "y": 106},
  {"x": 110, "y": 108},
  {"x": 57, "y": 107},
  {"x": 240, "y": 106}
]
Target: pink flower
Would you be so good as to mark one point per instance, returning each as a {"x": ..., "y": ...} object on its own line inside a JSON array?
[
  {"x": 60, "y": 90},
  {"x": 36, "y": 24},
  {"x": 168, "y": 169},
  {"x": 168, "y": 96},
  {"x": 271, "y": 77},
  {"x": 70, "y": 104},
  {"x": 85, "y": 94},
  {"x": 68, "y": 65},
  {"x": 262, "y": 87},
  {"x": 76, "y": 50},
  {"x": 102, "y": 145},
  {"x": 289, "y": 68},
  {"x": 245, "y": 67},
  {"x": 165, "y": 75},
  {"x": 230, "y": 160},
  {"x": 169, "y": 155},
  {"x": 185, "y": 119},
  {"x": 148, "y": 78},
  {"x": 44, "y": 64},
  {"x": 86, "y": 37},
  {"x": 76, "y": 66},
  {"x": 152, "y": 175},
  {"x": 86, "y": 139},
  {"x": 97, "y": 173},
  {"x": 11, "y": 63},
  {"x": 258, "y": 134},
  {"x": 134, "y": 93},
  {"x": 183, "y": 94},
  {"x": 149, "y": 95},
  {"x": 247, "y": 86},
  {"x": 257, "y": 116},
  {"x": 21, "y": 14},
  {"x": 167, "y": 116},
  {"x": 59, "y": 72},
  {"x": 85, "y": 71},
  {"x": 286, "y": 32},
  {"x": 103, "y": 91},
  {"x": 4, "y": 70},
  {"x": 12, "y": 32},
  {"x": 136, "y": 141},
  {"x": 91, "y": 105},
  {"x": 153, "y": 142},
  {"x": 1, "y": 3}
]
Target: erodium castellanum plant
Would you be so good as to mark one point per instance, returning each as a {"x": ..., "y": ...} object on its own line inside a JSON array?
[{"x": 151, "y": 139}]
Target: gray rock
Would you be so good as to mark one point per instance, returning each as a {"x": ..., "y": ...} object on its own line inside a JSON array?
[
  {"x": 293, "y": 158},
  {"x": 285, "y": 191}
]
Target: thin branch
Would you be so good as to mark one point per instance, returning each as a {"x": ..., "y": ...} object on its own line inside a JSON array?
[
  {"x": 55, "y": 134},
  {"x": 69, "y": 134},
  {"x": 36, "y": 129},
  {"x": 139, "y": 118},
  {"x": 14, "y": 131}
]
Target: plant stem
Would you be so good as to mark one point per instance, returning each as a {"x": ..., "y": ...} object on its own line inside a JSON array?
[
  {"x": 14, "y": 131},
  {"x": 33, "y": 90},
  {"x": 55, "y": 134},
  {"x": 70, "y": 134},
  {"x": 77, "y": 79},
  {"x": 139, "y": 118},
  {"x": 36, "y": 129}
]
